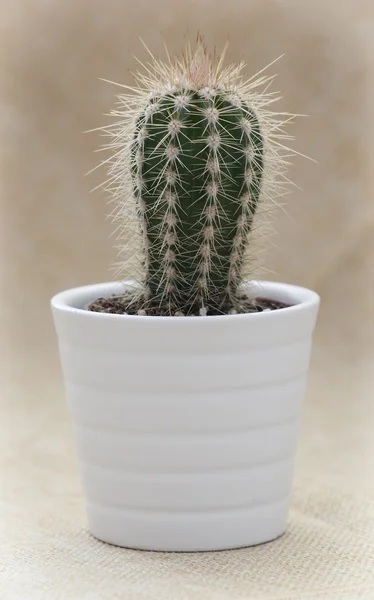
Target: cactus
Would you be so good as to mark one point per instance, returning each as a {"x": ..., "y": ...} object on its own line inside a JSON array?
[{"x": 196, "y": 151}]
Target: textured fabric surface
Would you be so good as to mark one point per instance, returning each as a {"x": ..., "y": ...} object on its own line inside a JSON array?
[{"x": 53, "y": 236}]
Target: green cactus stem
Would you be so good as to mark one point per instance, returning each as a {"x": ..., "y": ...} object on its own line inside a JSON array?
[{"x": 197, "y": 165}]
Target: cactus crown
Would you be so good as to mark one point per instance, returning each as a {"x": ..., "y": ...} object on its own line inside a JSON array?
[{"x": 195, "y": 156}]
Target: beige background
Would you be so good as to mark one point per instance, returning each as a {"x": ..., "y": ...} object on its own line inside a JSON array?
[{"x": 54, "y": 235}]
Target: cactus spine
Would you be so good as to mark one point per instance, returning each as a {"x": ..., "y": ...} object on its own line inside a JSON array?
[{"x": 188, "y": 171}]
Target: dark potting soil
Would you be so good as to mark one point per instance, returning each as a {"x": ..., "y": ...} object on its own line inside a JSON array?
[{"x": 122, "y": 305}]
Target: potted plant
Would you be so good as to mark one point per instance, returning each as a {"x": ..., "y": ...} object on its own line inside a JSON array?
[{"x": 186, "y": 384}]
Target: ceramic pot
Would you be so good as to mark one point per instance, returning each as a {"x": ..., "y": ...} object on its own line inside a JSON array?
[{"x": 186, "y": 428}]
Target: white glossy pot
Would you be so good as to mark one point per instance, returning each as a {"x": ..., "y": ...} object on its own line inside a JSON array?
[{"x": 186, "y": 428}]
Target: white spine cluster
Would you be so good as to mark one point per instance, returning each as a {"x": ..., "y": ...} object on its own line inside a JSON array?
[{"x": 138, "y": 107}]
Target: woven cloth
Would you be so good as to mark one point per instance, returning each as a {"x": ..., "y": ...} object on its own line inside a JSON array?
[{"x": 54, "y": 236}]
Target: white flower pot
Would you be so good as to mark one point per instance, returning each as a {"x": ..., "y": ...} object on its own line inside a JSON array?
[{"x": 186, "y": 428}]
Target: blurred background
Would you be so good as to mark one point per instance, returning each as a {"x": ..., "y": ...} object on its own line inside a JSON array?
[{"x": 54, "y": 234}]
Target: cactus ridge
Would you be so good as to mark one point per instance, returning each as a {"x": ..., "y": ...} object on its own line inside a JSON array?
[{"x": 197, "y": 166}]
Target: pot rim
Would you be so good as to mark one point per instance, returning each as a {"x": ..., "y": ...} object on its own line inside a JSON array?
[{"x": 301, "y": 298}]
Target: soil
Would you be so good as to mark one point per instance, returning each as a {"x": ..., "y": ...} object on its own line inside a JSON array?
[{"x": 122, "y": 305}]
